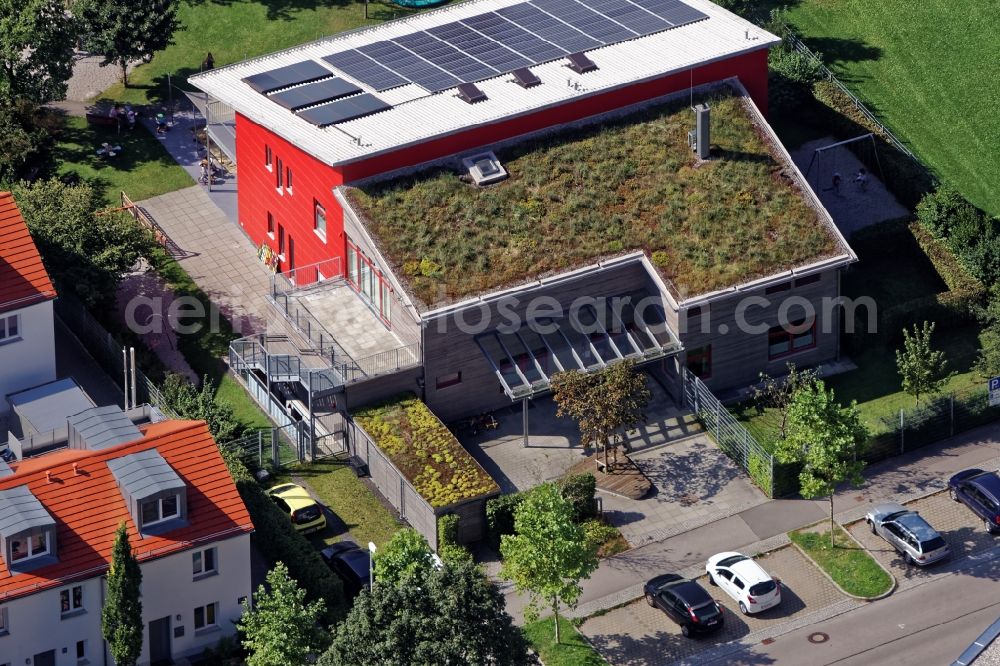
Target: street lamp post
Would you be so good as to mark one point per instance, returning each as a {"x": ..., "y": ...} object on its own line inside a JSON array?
[{"x": 371, "y": 564}]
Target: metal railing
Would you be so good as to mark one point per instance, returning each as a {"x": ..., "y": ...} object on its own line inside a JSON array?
[
  {"x": 734, "y": 440},
  {"x": 380, "y": 363}
]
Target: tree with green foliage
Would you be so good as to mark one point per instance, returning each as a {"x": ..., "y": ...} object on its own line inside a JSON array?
[
  {"x": 203, "y": 405},
  {"x": 280, "y": 628},
  {"x": 922, "y": 368},
  {"x": 121, "y": 617},
  {"x": 604, "y": 403},
  {"x": 777, "y": 393},
  {"x": 125, "y": 32},
  {"x": 36, "y": 51},
  {"x": 406, "y": 559},
  {"x": 86, "y": 251},
  {"x": 549, "y": 554},
  {"x": 455, "y": 616},
  {"x": 827, "y": 439}
]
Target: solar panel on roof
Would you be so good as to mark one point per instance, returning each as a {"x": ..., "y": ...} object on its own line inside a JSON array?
[
  {"x": 290, "y": 75},
  {"x": 496, "y": 55},
  {"x": 314, "y": 93},
  {"x": 586, "y": 20},
  {"x": 343, "y": 110},
  {"x": 403, "y": 62},
  {"x": 630, "y": 15},
  {"x": 514, "y": 37},
  {"x": 456, "y": 63},
  {"x": 548, "y": 27},
  {"x": 362, "y": 68},
  {"x": 674, "y": 12}
]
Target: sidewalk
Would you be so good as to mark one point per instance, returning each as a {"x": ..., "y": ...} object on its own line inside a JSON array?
[{"x": 619, "y": 579}]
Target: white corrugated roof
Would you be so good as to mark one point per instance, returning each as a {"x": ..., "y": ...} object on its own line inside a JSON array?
[{"x": 418, "y": 116}]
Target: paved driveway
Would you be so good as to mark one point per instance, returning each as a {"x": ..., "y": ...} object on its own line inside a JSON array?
[
  {"x": 961, "y": 528},
  {"x": 637, "y": 634}
]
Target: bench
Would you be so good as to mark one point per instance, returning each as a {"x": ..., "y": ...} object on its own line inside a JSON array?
[
  {"x": 359, "y": 466},
  {"x": 102, "y": 120}
]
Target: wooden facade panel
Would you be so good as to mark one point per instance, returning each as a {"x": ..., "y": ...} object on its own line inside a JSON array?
[
  {"x": 451, "y": 349},
  {"x": 738, "y": 356}
]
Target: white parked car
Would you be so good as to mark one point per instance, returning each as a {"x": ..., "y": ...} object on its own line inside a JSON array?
[{"x": 745, "y": 581}]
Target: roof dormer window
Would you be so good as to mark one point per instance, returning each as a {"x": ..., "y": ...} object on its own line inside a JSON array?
[
  {"x": 28, "y": 545},
  {"x": 155, "y": 495},
  {"x": 158, "y": 510}
]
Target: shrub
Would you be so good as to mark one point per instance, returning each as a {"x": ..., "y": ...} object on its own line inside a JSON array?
[
  {"x": 579, "y": 491},
  {"x": 190, "y": 403},
  {"x": 940, "y": 210},
  {"x": 448, "y": 547},
  {"x": 791, "y": 78},
  {"x": 975, "y": 240},
  {"x": 759, "y": 467},
  {"x": 278, "y": 541},
  {"x": 500, "y": 516},
  {"x": 604, "y": 538}
]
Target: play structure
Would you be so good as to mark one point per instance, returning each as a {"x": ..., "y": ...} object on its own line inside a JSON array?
[
  {"x": 418, "y": 3},
  {"x": 827, "y": 167}
]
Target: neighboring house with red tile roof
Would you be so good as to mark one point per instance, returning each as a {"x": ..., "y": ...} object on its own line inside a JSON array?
[
  {"x": 27, "y": 338},
  {"x": 58, "y": 516}
]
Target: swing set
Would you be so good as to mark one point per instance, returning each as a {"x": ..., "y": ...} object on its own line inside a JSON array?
[{"x": 825, "y": 162}]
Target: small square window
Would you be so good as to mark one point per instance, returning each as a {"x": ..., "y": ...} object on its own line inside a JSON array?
[
  {"x": 319, "y": 219},
  {"x": 170, "y": 508},
  {"x": 203, "y": 562},
  {"x": 71, "y": 600},
  {"x": 204, "y": 617},
  {"x": 451, "y": 379},
  {"x": 10, "y": 328},
  {"x": 150, "y": 512}
]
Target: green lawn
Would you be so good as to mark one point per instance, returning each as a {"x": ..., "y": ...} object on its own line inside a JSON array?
[
  {"x": 335, "y": 483},
  {"x": 571, "y": 650},
  {"x": 847, "y": 563},
  {"x": 241, "y": 29},
  {"x": 143, "y": 169},
  {"x": 924, "y": 67}
]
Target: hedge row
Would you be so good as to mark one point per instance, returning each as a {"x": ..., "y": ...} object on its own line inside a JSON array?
[
  {"x": 278, "y": 541},
  {"x": 578, "y": 489}
]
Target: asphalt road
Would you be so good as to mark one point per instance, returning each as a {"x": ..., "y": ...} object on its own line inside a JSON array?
[{"x": 928, "y": 625}]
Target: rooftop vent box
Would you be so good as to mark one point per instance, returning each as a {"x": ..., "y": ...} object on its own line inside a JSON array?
[
  {"x": 525, "y": 78},
  {"x": 484, "y": 168},
  {"x": 580, "y": 63},
  {"x": 470, "y": 94}
]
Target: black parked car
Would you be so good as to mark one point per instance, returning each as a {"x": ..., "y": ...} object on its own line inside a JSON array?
[
  {"x": 685, "y": 602},
  {"x": 351, "y": 563},
  {"x": 980, "y": 491}
]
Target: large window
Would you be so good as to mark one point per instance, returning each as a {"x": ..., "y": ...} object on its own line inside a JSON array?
[
  {"x": 203, "y": 562},
  {"x": 27, "y": 545},
  {"x": 71, "y": 600},
  {"x": 204, "y": 617},
  {"x": 365, "y": 277},
  {"x": 796, "y": 337},
  {"x": 699, "y": 361},
  {"x": 10, "y": 328},
  {"x": 319, "y": 219},
  {"x": 158, "y": 510}
]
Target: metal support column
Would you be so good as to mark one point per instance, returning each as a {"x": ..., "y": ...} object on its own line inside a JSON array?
[{"x": 524, "y": 420}]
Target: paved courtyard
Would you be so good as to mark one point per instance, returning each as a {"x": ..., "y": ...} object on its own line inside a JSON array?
[
  {"x": 639, "y": 634},
  {"x": 694, "y": 482}
]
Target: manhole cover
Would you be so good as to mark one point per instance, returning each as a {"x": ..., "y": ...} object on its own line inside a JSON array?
[{"x": 818, "y": 637}]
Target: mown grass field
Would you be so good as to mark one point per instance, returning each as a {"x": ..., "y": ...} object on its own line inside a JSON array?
[
  {"x": 928, "y": 68},
  {"x": 234, "y": 31}
]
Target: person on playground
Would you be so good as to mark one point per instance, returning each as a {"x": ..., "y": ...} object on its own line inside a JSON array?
[
  {"x": 836, "y": 182},
  {"x": 862, "y": 179},
  {"x": 204, "y": 172}
]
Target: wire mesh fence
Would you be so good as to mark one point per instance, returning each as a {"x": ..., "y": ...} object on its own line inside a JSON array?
[{"x": 734, "y": 440}]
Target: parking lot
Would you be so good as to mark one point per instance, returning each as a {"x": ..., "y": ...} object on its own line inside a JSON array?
[
  {"x": 639, "y": 634},
  {"x": 961, "y": 528}
]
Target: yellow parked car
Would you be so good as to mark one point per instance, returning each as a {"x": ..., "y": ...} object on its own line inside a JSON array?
[{"x": 305, "y": 513}]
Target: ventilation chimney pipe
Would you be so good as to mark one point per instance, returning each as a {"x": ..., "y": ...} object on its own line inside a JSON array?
[{"x": 702, "y": 133}]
